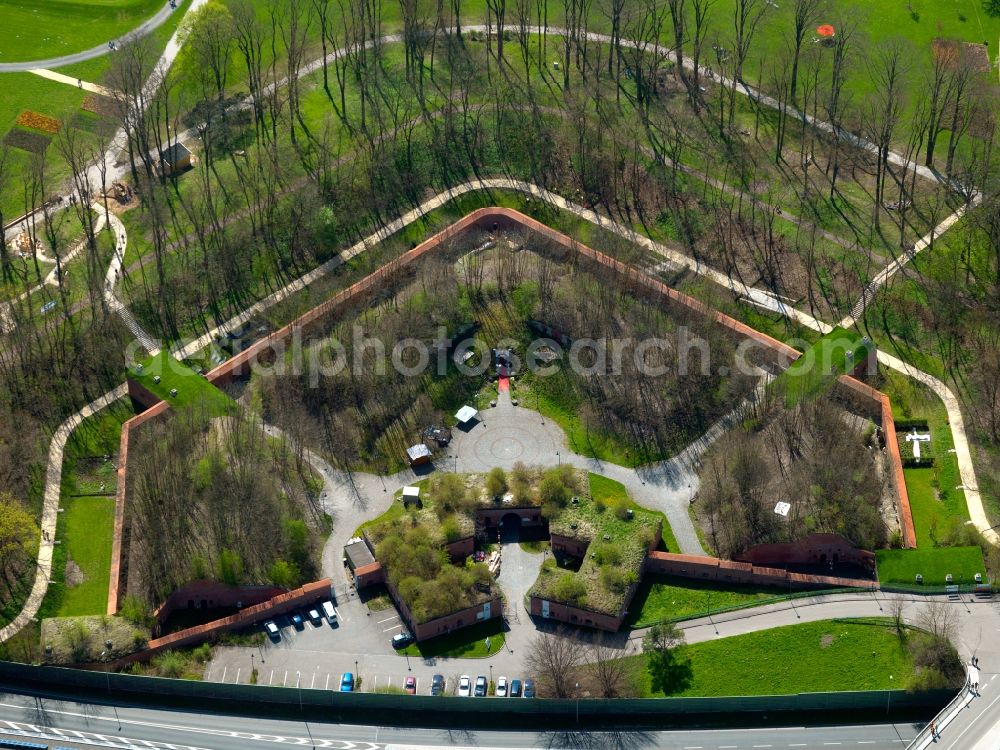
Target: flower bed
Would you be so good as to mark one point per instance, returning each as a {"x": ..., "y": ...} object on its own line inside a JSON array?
[{"x": 35, "y": 121}]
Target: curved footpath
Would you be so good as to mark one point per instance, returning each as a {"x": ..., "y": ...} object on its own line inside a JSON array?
[{"x": 142, "y": 29}]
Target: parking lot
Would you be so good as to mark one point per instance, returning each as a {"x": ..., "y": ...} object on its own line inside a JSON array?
[{"x": 316, "y": 656}]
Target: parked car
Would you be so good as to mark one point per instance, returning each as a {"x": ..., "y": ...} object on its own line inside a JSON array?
[
  {"x": 515, "y": 689},
  {"x": 410, "y": 686},
  {"x": 501, "y": 691},
  {"x": 402, "y": 640},
  {"x": 347, "y": 683},
  {"x": 481, "y": 686},
  {"x": 314, "y": 617},
  {"x": 464, "y": 686},
  {"x": 529, "y": 688},
  {"x": 272, "y": 630},
  {"x": 437, "y": 685},
  {"x": 330, "y": 613},
  {"x": 296, "y": 619}
]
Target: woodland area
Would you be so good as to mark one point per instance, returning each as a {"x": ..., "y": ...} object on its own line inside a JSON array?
[
  {"x": 369, "y": 412},
  {"x": 216, "y": 498},
  {"x": 313, "y": 165},
  {"x": 816, "y": 457}
]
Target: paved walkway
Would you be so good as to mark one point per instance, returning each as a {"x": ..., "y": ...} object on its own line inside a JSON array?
[
  {"x": 50, "y": 510},
  {"x": 52, "y": 75},
  {"x": 100, "y": 50}
]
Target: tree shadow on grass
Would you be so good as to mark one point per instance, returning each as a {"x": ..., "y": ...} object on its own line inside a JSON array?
[{"x": 670, "y": 672}]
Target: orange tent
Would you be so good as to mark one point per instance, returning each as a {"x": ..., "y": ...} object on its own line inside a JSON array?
[{"x": 826, "y": 30}]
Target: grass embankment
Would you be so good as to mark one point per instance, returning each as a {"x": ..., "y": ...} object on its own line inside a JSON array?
[
  {"x": 937, "y": 501},
  {"x": 900, "y": 566},
  {"x": 192, "y": 389},
  {"x": 820, "y": 365},
  {"x": 87, "y": 529},
  {"x": 829, "y": 655},
  {"x": 618, "y": 542},
  {"x": 466, "y": 643},
  {"x": 669, "y": 598}
]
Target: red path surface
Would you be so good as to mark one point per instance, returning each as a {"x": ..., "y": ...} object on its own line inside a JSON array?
[{"x": 503, "y": 384}]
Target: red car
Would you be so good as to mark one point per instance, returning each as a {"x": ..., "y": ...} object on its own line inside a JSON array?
[{"x": 410, "y": 686}]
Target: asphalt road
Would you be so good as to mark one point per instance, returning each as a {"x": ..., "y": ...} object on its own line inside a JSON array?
[{"x": 70, "y": 722}]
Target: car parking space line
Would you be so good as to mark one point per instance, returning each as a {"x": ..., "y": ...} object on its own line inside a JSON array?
[
  {"x": 224, "y": 670},
  {"x": 313, "y": 684},
  {"x": 327, "y": 681},
  {"x": 394, "y": 627},
  {"x": 238, "y": 670},
  {"x": 270, "y": 680},
  {"x": 387, "y": 619},
  {"x": 375, "y": 683},
  {"x": 285, "y": 680}
]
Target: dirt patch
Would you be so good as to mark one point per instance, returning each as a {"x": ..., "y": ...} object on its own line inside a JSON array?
[
  {"x": 827, "y": 640},
  {"x": 74, "y": 575},
  {"x": 953, "y": 53},
  {"x": 82, "y": 640}
]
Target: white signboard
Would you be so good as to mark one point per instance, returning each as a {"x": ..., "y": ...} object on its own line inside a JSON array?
[{"x": 782, "y": 508}]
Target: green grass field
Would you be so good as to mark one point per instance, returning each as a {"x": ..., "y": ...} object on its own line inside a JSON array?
[
  {"x": 467, "y": 643},
  {"x": 900, "y": 566},
  {"x": 608, "y": 491},
  {"x": 829, "y": 655},
  {"x": 36, "y": 29},
  {"x": 192, "y": 388},
  {"x": 821, "y": 364},
  {"x": 87, "y": 529},
  {"x": 669, "y": 598}
]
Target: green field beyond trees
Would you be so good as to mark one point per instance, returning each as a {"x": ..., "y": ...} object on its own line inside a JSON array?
[
  {"x": 901, "y": 566},
  {"x": 38, "y": 29}
]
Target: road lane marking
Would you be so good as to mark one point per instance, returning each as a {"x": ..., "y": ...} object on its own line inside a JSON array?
[
  {"x": 340, "y": 618},
  {"x": 311, "y": 686},
  {"x": 270, "y": 680}
]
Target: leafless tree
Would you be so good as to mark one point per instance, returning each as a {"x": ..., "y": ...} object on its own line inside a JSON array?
[
  {"x": 611, "y": 667},
  {"x": 554, "y": 659},
  {"x": 805, "y": 15}
]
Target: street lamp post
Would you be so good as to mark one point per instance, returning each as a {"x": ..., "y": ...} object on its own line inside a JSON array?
[
  {"x": 578, "y": 703},
  {"x": 559, "y": 458},
  {"x": 888, "y": 697}
]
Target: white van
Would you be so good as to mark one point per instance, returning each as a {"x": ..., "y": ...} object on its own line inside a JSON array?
[{"x": 330, "y": 613}]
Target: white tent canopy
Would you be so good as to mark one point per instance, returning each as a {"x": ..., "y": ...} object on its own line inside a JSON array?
[
  {"x": 411, "y": 491},
  {"x": 466, "y": 413}
]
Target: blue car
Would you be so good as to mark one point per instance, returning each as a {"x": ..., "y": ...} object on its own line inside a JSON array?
[
  {"x": 515, "y": 689},
  {"x": 296, "y": 619},
  {"x": 529, "y": 688},
  {"x": 347, "y": 683}
]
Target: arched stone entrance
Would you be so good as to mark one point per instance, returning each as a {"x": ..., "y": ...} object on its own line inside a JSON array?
[{"x": 510, "y": 528}]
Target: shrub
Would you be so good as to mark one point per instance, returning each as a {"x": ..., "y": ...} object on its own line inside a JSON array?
[
  {"x": 202, "y": 654},
  {"x": 496, "y": 482},
  {"x": 552, "y": 490},
  {"x": 621, "y": 507},
  {"x": 606, "y": 554},
  {"x": 570, "y": 589},
  {"x": 992, "y": 8},
  {"x": 170, "y": 664},
  {"x": 450, "y": 528},
  {"x": 230, "y": 567},
  {"x": 136, "y": 611},
  {"x": 285, "y": 574},
  {"x": 613, "y": 578}
]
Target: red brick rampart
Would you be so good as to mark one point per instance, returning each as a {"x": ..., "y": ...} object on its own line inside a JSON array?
[
  {"x": 703, "y": 567},
  {"x": 491, "y": 218}
]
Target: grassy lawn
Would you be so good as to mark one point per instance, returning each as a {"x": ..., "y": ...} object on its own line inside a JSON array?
[
  {"x": 829, "y": 655},
  {"x": 934, "y": 513},
  {"x": 192, "y": 388},
  {"x": 936, "y": 503},
  {"x": 87, "y": 528},
  {"x": 36, "y": 29},
  {"x": 468, "y": 643},
  {"x": 821, "y": 364},
  {"x": 669, "y": 598},
  {"x": 608, "y": 491},
  {"x": 900, "y": 566}
]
